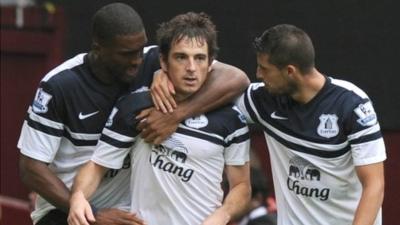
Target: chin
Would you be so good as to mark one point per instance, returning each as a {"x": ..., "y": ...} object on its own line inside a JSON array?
[{"x": 129, "y": 78}]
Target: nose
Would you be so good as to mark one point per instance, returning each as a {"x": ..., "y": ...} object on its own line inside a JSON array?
[
  {"x": 258, "y": 74},
  {"x": 191, "y": 66},
  {"x": 136, "y": 60}
]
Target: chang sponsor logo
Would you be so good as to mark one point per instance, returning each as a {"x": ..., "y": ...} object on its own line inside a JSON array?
[
  {"x": 170, "y": 157},
  {"x": 302, "y": 177},
  {"x": 295, "y": 186}
]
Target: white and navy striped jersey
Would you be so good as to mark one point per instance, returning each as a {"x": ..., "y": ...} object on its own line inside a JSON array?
[
  {"x": 314, "y": 149},
  {"x": 65, "y": 121},
  {"x": 179, "y": 181}
]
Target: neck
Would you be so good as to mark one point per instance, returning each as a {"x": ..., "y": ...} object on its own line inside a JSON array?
[
  {"x": 98, "y": 69},
  {"x": 181, "y": 97},
  {"x": 308, "y": 86}
]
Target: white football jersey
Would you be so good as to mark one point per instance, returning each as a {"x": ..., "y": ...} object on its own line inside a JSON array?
[
  {"x": 314, "y": 149},
  {"x": 178, "y": 181}
]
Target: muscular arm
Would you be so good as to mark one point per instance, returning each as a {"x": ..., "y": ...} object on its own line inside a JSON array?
[
  {"x": 372, "y": 180},
  {"x": 223, "y": 84},
  {"x": 238, "y": 197},
  {"x": 37, "y": 176}
]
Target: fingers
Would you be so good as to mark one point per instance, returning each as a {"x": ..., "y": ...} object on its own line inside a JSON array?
[
  {"x": 171, "y": 89},
  {"x": 144, "y": 113},
  {"x": 80, "y": 212},
  {"x": 142, "y": 124},
  {"x": 159, "y": 102},
  {"x": 162, "y": 91},
  {"x": 131, "y": 219},
  {"x": 76, "y": 219},
  {"x": 148, "y": 136},
  {"x": 158, "y": 140},
  {"x": 89, "y": 215},
  {"x": 112, "y": 216}
]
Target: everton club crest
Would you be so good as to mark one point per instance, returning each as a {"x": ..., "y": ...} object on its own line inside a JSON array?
[{"x": 328, "y": 126}]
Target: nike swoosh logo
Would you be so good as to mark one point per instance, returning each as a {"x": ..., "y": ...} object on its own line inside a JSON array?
[
  {"x": 274, "y": 116},
  {"x": 82, "y": 116}
]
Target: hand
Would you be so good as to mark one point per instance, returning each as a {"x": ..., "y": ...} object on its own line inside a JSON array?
[
  {"x": 80, "y": 212},
  {"x": 162, "y": 91},
  {"x": 117, "y": 217},
  {"x": 156, "y": 127},
  {"x": 219, "y": 217}
]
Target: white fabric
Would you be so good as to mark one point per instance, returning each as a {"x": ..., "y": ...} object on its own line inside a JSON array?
[
  {"x": 179, "y": 184},
  {"x": 310, "y": 189}
]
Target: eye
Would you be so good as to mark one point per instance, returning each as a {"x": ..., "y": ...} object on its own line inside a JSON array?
[
  {"x": 133, "y": 54},
  {"x": 180, "y": 57},
  {"x": 201, "y": 58}
]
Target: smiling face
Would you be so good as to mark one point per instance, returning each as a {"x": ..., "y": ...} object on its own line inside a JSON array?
[
  {"x": 187, "y": 65},
  {"x": 122, "y": 56},
  {"x": 277, "y": 81}
]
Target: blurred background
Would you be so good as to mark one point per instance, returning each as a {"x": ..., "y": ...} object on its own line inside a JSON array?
[{"x": 355, "y": 40}]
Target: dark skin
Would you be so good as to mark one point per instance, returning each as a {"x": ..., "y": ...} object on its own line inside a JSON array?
[
  {"x": 37, "y": 176},
  {"x": 223, "y": 85},
  {"x": 113, "y": 61}
]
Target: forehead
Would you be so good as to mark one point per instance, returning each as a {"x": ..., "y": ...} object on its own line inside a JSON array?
[
  {"x": 263, "y": 60},
  {"x": 190, "y": 45},
  {"x": 130, "y": 41}
]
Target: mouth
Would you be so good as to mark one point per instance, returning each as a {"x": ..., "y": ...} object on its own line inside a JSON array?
[
  {"x": 191, "y": 81},
  {"x": 132, "y": 71}
]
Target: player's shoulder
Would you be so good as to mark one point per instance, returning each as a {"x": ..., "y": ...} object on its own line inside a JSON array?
[
  {"x": 151, "y": 53},
  {"x": 135, "y": 101},
  {"x": 347, "y": 88},
  {"x": 227, "y": 117},
  {"x": 150, "y": 50},
  {"x": 64, "y": 74},
  {"x": 347, "y": 95},
  {"x": 257, "y": 91}
]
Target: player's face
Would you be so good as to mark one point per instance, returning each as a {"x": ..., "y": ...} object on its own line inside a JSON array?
[
  {"x": 123, "y": 55},
  {"x": 276, "y": 80},
  {"x": 187, "y": 66}
]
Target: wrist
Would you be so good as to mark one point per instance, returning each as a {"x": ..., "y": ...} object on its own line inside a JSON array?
[
  {"x": 225, "y": 214},
  {"x": 181, "y": 113}
]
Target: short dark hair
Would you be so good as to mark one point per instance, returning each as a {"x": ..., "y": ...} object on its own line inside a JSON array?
[
  {"x": 115, "y": 19},
  {"x": 191, "y": 25},
  {"x": 287, "y": 44}
]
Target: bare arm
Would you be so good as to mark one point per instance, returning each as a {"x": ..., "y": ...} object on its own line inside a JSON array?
[
  {"x": 237, "y": 199},
  {"x": 372, "y": 180},
  {"x": 85, "y": 184},
  {"x": 37, "y": 176},
  {"x": 223, "y": 84}
]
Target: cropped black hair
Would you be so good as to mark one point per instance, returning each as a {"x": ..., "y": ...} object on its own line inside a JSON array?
[
  {"x": 115, "y": 19},
  {"x": 287, "y": 44}
]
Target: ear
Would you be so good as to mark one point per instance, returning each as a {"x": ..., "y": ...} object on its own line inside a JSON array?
[
  {"x": 210, "y": 64},
  {"x": 291, "y": 70},
  {"x": 95, "y": 46},
  {"x": 163, "y": 63}
]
